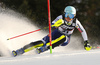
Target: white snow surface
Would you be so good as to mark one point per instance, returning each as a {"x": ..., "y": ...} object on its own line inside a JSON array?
[{"x": 79, "y": 57}]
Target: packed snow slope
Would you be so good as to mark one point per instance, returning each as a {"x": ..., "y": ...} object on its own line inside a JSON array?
[{"x": 79, "y": 57}]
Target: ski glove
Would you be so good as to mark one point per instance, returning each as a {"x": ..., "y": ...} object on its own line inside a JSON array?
[{"x": 87, "y": 46}]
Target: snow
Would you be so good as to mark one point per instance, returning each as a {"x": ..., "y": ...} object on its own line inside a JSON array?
[{"x": 79, "y": 57}]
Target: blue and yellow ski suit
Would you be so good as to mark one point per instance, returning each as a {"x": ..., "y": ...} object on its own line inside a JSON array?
[{"x": 61, "y": 35}]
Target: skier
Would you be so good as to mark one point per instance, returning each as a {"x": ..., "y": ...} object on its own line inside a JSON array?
[{"x": 64, "y": 27}]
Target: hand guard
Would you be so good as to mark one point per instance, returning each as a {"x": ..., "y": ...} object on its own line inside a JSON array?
[
  {"x": 58, "y": 23},
  {"x": 87, "y": 46}
]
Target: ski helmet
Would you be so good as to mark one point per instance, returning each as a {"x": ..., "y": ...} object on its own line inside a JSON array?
[{"x": 70, "y": 10}]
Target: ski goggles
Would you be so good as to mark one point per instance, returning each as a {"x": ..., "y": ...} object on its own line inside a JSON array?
[{"x": 69, "y": 15}]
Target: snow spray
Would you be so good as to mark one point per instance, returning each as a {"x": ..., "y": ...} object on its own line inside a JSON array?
[{"x": 11, "y": 24}]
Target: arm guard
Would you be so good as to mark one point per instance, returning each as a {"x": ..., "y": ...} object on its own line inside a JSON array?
[{"x": 58, "y": 23}]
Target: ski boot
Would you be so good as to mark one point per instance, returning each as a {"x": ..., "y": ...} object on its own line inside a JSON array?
[
  {"x": 41, "y": 49},
  {"x": 18, "y": 52}
]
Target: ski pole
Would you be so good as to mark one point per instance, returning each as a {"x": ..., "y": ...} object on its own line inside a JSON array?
[{"x": 26, "y": 33}]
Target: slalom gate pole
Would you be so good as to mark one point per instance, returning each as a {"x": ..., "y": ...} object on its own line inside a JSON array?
[
  {"x": 49, "y": 20},
  {"x": 26, "y": 33}
]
